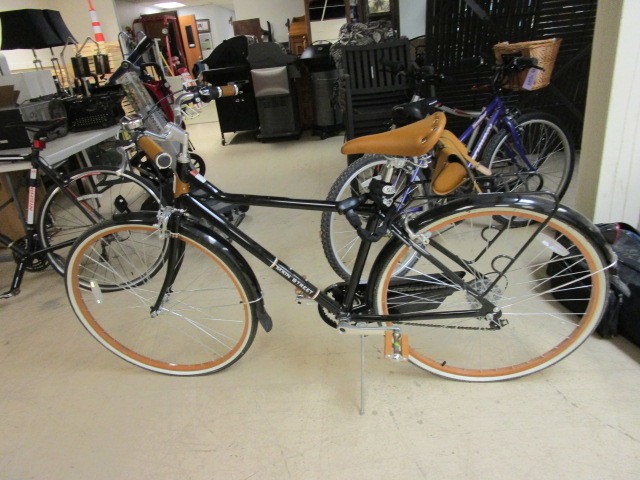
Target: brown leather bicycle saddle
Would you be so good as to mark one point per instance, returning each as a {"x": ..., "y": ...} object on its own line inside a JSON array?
[
  {"x": 411, "y": 141},
  {"x": 451, "y": 165}
]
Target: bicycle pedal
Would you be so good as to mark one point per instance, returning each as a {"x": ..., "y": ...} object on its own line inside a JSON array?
[{"x": 394, "y": 349}]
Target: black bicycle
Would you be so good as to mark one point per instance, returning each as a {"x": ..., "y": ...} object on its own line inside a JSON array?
[
  {"x": 458, "y": 291},
  {"x": 69, "y": 207}
]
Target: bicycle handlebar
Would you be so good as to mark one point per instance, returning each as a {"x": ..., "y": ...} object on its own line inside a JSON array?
[
  {"x": 520, "y": 63},
  {"x": 201, "y": 93},
  {"x": 131, "y": 60},
  {"x": 146, "y": 140}
]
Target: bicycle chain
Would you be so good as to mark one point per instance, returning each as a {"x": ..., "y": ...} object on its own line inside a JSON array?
[
  {"x": 494, "y": 325},
  {"x": 337, "y": 291},
  {"x": 497, "y": 325}
]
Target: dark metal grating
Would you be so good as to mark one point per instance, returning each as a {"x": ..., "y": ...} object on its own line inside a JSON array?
[
  {"x": 372, "y": 90},
  {"x": 463, "y": 28}
]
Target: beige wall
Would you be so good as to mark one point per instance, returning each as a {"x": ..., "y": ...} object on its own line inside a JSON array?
[
  {"x": 609, "y": 172},
  {"x": 218, "y": 18},
  {"x": 413, "y": 14},
  {"x": 276, "y": 11},
  {"x": 76, "y": 16},
  {"x": 127, "y": 12}
]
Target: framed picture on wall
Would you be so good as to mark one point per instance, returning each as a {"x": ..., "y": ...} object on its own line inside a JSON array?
[
  {"x": 202, "y": 25},
  {"x": 206, "y": 42}
]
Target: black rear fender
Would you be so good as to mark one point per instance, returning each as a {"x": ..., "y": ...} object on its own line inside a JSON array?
[{"x": 539, "y": 203}]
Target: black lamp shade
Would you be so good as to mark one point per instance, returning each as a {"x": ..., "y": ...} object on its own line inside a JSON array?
[
  {"x": 27, "y": 28},
  {"x": 57, "y": 23}
]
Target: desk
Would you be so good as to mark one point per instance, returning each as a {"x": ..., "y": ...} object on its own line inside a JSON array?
[
  {"x": 60, "y": 149},
  {"x": 57, "y": 152}
]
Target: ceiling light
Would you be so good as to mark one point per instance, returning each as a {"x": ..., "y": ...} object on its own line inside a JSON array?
[{"x": 169, "y": 5}]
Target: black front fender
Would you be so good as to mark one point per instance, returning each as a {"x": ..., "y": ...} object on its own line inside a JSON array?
[{"x": 219, "y": 244}]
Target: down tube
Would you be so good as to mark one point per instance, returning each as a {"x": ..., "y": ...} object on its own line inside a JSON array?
[
  {"x": 266, "y": 257},
  {"x": 518, "y": 145}
]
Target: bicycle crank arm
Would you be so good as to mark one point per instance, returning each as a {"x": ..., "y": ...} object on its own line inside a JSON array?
[{"x": 347, "y": 328}]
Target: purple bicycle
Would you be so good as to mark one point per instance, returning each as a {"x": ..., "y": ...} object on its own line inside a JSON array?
[{"x": 527, "y": 152}]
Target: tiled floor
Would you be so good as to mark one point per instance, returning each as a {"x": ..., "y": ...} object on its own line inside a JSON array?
[{"x": 289, "y": 409}]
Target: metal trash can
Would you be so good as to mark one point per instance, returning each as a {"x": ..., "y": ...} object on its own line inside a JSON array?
[{"x": 327, "y": 117}]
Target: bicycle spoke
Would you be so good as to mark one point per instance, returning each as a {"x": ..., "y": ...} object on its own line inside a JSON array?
[{"x": 529, "y": 328}]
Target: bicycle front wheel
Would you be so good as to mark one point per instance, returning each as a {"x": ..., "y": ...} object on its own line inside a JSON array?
[
  {"x": 548, "y": 149},
  {"x": 207, "y": 319},
  {"x": 101, "y": 193},
  {"x": 524, "y": 269}
]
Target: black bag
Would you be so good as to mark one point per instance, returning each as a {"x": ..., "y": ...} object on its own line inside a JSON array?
[
  {"x": 627, "y": 247},
  {"x": 622, "y": 314}
]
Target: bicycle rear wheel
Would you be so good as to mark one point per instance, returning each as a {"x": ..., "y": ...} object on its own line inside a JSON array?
[
  {"x": 102, "y": 192},
  {"x": 548, "y": 148},
  {"x": 534, "y": 331},
  {"x": 207, "y": 319},
  {"x": 340, "y": 240}
]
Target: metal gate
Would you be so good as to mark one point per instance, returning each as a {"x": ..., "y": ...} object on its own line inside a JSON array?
[{"x": 458, "y": 29}]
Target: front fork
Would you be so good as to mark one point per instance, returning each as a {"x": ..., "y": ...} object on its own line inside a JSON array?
[
  {"x": 169, "y": 223},
  {"x": 516, "y": 145}
]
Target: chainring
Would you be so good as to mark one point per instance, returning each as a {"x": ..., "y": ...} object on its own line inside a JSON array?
[
  {"x": 337, "y": 291},
  {"x": 35, "y": 263}
]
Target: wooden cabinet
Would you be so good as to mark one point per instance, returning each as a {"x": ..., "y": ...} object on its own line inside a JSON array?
[
  {"x": 179, "y": 41},
  {"x": 298, "y": 35},
  {"x": 325, "y": 17}
]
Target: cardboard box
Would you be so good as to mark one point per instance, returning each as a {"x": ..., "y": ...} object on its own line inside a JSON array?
[
  {"x": 10, "y": 224},
  {"x": 30, "y": 84},
  {"x": 8, "y": 96}
]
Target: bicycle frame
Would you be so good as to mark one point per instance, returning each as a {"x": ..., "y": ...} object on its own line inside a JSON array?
[
  {"x": 30, "y": 249},
  {"x": 185, "y": 177},
  {"x": 494, "y": 114},
  {"x": 343, "y": 310}
]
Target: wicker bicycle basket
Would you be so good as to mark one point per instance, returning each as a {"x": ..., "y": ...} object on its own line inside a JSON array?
[{"x": 545, "y": 51}]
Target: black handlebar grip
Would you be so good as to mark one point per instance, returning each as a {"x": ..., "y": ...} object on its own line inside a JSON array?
[{"x": 522, "y": 63}]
